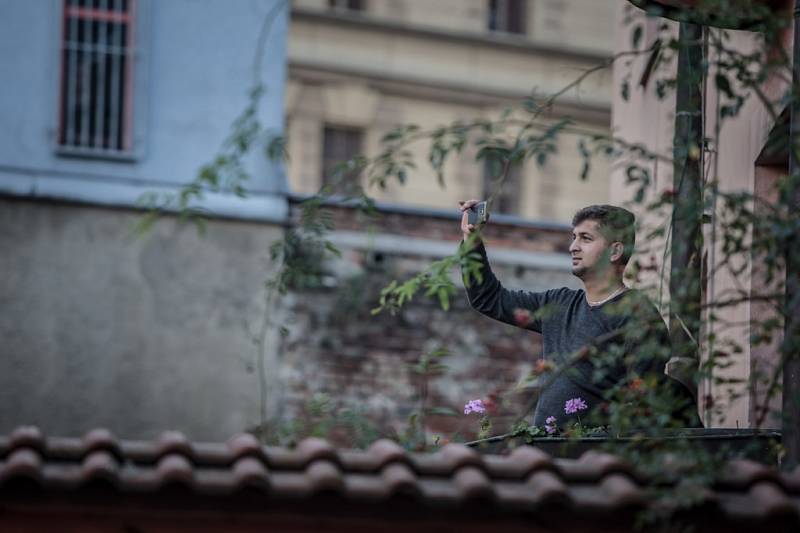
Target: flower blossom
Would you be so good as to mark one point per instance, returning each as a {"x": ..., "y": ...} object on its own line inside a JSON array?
[
  {"x": 475, "y": 406},
  {"x": 522, "y": 317},
  {"x": 541, "y": 366},
  {"x": 550, "y": 425},
  {"x": 574, "y": 405}
]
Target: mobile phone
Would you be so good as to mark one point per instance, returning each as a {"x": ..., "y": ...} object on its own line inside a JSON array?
[{"x": 478, "y": 214}]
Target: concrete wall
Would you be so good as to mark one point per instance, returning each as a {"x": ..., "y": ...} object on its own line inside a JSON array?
[{"x": 137, "y": 336}]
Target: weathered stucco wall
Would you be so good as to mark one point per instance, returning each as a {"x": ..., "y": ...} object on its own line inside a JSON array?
[
  {"x": 644, "y": 118},
  {"x": 137, "y": 336},
  {"x": 142, "y": 336}
]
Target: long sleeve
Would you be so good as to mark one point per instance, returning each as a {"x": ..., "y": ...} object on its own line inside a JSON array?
[{"x": 490, "y": 298}]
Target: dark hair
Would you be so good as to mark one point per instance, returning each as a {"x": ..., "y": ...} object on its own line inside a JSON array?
[{"x": 615, "y": 224}]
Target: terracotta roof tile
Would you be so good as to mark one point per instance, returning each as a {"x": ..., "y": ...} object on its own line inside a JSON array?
[
  {"x": 384, "y": 452},
  {"x": 446, "y": 460},
  {"x": 100, "y": 465},
  {"x": 742, "y": 473},
  {"x": 175, "y": 468},
  {"x": 174, "y": 442},
  {"x": 26, "y": 437},
  {"x": 398, "y": 478},
  {"x": 527, "y": 480},
  {"x": 762, "y": 500},
  {"x": 792, "y": 480},
  {"x": 522, "y": 461},
  {"x": 22, "y": 463},
  {"x": 592, "y": 466},
  {"x": 545, "y": 486},
  {"x": 100, "y": 439},
  {"x": 313, "y": 449},
  {"x": 473, "y": 483},
  {"x": 250, "y": 472},
  {"x": 243, "y": 445},
  {"x": 324, "y": 475}
]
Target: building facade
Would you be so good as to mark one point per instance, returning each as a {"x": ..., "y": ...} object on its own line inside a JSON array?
[
  {"x": 358, "y": 69},
  {"x": 101, "y": 102},
  {"x": 738, "y": 155}
]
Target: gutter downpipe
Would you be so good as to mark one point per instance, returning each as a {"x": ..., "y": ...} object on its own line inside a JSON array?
[
  {"x": 790, "y": 349},
  {"x": 687, "y": 182}
]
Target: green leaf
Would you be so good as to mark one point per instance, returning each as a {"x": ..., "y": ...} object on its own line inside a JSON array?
[
  {"x": 723, "y": 84},
  {"x": 636, "y": 36},
  {"x": 444, "y": 298},
  {"x": 329, "y": 246},
  {"x": 586, "y": 155},
  {"x": 442, "y": 411}
]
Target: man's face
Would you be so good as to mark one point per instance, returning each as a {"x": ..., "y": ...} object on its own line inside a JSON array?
[{"x": 590, "y": 251}]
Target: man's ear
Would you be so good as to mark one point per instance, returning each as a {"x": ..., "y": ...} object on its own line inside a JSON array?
[{"x": 617, "y": 249}]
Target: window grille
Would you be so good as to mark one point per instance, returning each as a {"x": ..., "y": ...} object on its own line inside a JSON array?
[
  {"x": 507, "y": 16},
  {"x": 339, "y": 146},
  {"x": 507, "y": 201},
  {"x": 96, "y": 88}
]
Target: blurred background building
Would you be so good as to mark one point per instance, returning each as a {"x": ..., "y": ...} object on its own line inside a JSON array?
[
  {"x": 357, "y": 68},
  {"x": 105, "y": 100},
  {"x": 101, "y": 102}
]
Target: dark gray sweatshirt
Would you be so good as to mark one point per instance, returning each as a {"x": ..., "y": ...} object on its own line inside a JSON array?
[{"x": 567, "y": 323}]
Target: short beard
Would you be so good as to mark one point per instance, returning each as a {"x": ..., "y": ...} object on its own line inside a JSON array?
[{"x": 579, "y": 271}]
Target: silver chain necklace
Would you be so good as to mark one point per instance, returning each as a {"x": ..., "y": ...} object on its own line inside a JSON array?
[{"x": 609, "y": 297}]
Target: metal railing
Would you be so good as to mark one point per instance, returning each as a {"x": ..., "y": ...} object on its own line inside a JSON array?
[{"x": 97, "y": 55}]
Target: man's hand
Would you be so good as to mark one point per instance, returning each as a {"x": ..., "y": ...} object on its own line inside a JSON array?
[{"x": 466, "y": 227}]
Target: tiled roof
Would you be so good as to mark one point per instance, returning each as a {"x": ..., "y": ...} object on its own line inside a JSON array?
[{"x": 525, "y": 482}]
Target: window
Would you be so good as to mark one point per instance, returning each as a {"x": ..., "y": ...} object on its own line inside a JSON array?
[
  {"x": 96, "y": 86},
  {"x": 352, "y": 5},
  {"x": 507, "y": 16},
  {"x": 507, "y": 200},
  {"x": 340, "y": 144}
]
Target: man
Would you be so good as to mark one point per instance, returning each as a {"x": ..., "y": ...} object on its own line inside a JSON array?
[{"x": 630, "y": 340}]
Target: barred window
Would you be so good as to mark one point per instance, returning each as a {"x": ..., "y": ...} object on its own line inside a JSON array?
[
  {"x": 507, "y": 16},
  {"x": 96, "y": 87}
]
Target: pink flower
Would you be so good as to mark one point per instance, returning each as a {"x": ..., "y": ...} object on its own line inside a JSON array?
[
  {"x": 475, "y": 406},
  {"x": 522, "y": 317},
  {"x": 574, "y": 405},
  {"x": 541, "y": 366},
  {"x": 550, "y": 425}
]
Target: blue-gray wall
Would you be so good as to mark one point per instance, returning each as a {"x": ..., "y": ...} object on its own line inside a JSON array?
[
  {"x": 138, "y": 336},
  {"x": 193, "y": 73}
]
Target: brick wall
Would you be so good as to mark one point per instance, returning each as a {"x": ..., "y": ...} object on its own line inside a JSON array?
[{"x": 335, "y": 346}]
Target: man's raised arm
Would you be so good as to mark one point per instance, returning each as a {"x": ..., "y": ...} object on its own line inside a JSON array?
[{"x": 489, "y": 297}]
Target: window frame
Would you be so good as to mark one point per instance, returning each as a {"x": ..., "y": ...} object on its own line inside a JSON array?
[
  {"x": 139, "y": 71},
  {"x": 512, "y": 187},
  {"x": 355, "y": 178},
  {"x": 361, "y": 7},
  {"x": 524, "y": 7}
]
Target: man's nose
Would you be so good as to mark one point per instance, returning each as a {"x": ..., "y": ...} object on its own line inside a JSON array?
[{"x": 573, "y": 246}]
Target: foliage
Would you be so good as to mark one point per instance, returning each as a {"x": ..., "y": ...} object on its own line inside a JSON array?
[
  {"x": 427, "y": 367},
  {"x": 743, "y": 228},
  {"x": 323, "y": 417}
]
